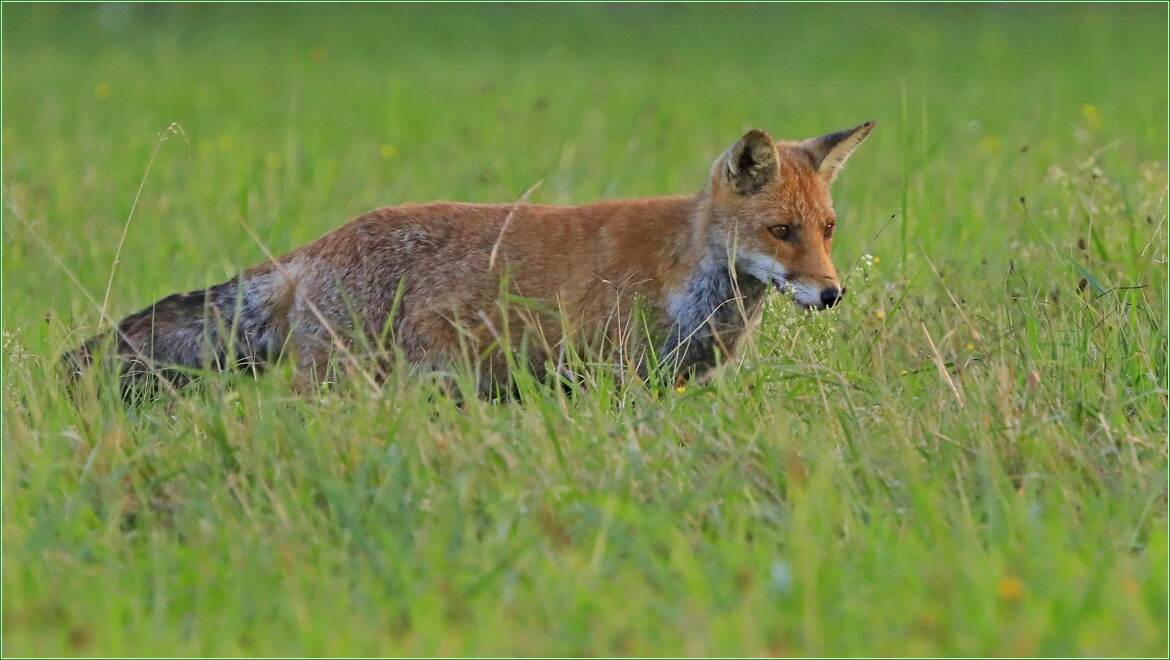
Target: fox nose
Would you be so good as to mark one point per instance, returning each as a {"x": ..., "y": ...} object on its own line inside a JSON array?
[{"x": 831, "y": 295}]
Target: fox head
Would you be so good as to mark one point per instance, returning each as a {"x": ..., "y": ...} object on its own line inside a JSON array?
[{"x": 770, "y": 211}]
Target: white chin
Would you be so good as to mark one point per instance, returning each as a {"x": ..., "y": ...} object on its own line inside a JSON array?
[
  {"x": 790, "y": 290},
  {"x": 787, "y": 289}
]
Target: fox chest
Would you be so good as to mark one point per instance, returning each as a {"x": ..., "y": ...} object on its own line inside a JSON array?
[{"x": 709, "y": 318}]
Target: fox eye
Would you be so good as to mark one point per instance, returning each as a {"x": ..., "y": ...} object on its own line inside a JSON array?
[
  {"x": 829, "y": 230},
  {"x": 780, "y": 231}
]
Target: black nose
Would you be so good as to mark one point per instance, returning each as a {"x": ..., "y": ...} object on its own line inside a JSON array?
[{"x": 830, "y": 296}]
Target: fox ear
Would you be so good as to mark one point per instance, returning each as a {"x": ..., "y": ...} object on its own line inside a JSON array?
[
  {"x": 751, "y": 162},
  {"x": 829, "y": 152}
]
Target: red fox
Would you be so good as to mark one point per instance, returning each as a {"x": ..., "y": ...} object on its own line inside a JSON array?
[{"x": 439, "y": 282}]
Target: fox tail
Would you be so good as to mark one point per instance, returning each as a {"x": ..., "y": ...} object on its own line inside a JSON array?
[{"x": 238, "y": 324}]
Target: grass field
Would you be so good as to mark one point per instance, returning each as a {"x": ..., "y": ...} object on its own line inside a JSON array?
[{"x": 968, "y": 457}]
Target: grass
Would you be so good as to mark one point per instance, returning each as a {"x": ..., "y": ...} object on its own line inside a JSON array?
[{"x": 968, "y": 457}]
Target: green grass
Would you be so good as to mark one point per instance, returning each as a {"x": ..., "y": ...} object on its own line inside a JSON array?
[{"x": 834, "y": 493}]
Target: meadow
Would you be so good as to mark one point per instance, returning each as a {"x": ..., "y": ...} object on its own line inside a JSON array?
[{"x": 967, "y": 457}]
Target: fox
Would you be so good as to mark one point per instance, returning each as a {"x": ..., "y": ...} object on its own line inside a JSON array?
[{"x": 666, "y": 285}]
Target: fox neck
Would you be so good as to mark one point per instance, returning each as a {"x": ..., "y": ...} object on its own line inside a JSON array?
[{"x": 714, "y": 309}]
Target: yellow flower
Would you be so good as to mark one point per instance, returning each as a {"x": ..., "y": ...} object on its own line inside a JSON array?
[
  {"x": 1010, "y": 588},
  {"x": 681, "y": 389},
  {"x": 1092, "y": 115},
  {"x": 881, "y": 314},
  {"x": 877, "y": 259},
  {"x": 970, "y": 346},
  {"x": 225, "y": 142},
  {"x": 388, "y": 151},
  {"x": 1131, "y": 586},
  {"x": 102, "y": 90}
]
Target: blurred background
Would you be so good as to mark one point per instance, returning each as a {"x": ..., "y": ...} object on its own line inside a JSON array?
[{"x": 295, "y": 118}]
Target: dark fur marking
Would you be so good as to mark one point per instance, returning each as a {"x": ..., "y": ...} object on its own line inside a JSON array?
[{"x": 227, "y": 326}]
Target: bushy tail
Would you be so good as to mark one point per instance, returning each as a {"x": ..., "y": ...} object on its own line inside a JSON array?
[{"x": 239, "y": 324}]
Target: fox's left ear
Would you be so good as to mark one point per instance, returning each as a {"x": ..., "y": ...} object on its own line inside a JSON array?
[
  {"x": 751, "y": 163},
  {"x": 829, "y": 152}
]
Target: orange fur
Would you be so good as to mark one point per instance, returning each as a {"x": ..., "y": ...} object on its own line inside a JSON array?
[{"x": 699, "y": 267}]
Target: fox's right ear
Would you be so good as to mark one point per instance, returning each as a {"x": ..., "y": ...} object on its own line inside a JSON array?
[
  {"x": 750, "y": 163},
  {"x": 829, "y": 152}
]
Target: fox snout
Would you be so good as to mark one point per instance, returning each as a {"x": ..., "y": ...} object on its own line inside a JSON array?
[
  {"x": 831, "y": 296},
  {"x": 811, "y": 294}
]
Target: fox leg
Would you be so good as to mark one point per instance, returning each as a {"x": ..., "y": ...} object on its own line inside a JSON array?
[
  {"x": 310, "y": 346},
  {"x": 309, "y": 370}
]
